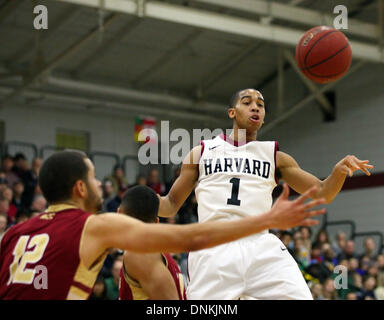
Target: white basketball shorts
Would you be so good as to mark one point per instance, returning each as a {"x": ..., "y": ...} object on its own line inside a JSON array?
[{"x": 256, "y": 267}]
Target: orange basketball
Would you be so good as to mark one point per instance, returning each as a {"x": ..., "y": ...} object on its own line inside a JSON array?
[{"x": 323, "y": 54}]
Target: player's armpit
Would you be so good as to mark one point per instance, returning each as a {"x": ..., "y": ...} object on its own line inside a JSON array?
[
  {"x": 183, "y": 186},
  {"x": 152, "y": 274},
  {"x": 297, "y": 178}
]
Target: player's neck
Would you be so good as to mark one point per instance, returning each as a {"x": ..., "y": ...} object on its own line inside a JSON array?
[
  {"x": 75, "y": 203},
  {"x": 242, "y": 135}
]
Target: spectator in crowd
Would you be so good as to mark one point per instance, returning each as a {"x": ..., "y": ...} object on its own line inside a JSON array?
[
  {"x": 4, "y": 205},
  {"x": 364, "y": 265},
  {"x": 339, "y": 245},
  {"x": 353, "y": 265},
  {"x": 329, "y": 291},
  {"x": 141, "y": 180},
  {"x": 6, "y": 167},
  {"x": 3, "y": 224},
  {"x": 379, "y": 291},
  {"x": 380, "y": 264},
  {"x": 99, "y": 291},
  {"x": 349, "y": 251},
  {"x": 301, "y": 253},
  {"x": 343, "y": 291},
  {"x": 317, "y": 291},
  {"x": 306, "y": 234},
  {"x": 115, "y": 202},
  {"x": 322, "y": 237},
  {"x": 39, "y": 204},
  {"x": 112, "y": 283},
  {"x": 369, "y": 249},
  {"x": 357, "y": 286},
  {"x": 29, "y": 179},
  {"x": 329, "y": 257},
  {"x": 287, "y": 239},
  {"x": 369, "y": 285},
  {"x": 21, "y": 164},
  {"x": 118, "y": 179},
  {"x": 108, "y": 193},
  {"x": 3, "y": 180},
  {"x": 316, "y": 256},
  {"x": 18, "y": 189},
  {"x": 351, "y": 296},
  {"x": 7, "y": 193},
  {"x": 154, "y": 182}
]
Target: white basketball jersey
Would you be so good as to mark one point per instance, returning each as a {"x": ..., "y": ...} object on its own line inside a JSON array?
[{"x": 235, "y": 181}]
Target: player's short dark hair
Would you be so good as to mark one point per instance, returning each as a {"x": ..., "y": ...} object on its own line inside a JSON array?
[
  {"x": 140, "y": 202},
  {"x": 235, "y": 98},
  {"x": 59, "y": 174}
]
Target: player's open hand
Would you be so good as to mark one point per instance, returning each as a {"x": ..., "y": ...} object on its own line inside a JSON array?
[
  {"x": 287, "y": 214},
  {"x": 350, "y": 164}
]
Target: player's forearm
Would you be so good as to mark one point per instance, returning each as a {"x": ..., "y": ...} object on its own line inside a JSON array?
[
  {"x": 167, "y": 207},
  {"x": 331, "y": 186},
  {"x": 176, "y": 238}
]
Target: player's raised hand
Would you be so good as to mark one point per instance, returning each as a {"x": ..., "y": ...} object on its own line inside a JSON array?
[
  {"x": 350, "y": 164},
  {"x": 287, "y": 214}
]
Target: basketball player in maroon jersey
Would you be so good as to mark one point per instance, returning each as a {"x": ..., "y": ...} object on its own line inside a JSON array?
[
  {"x": 71, "y": 243},
  {"x": 233, "y": 177},
  {"x": 153, "y": 276}
]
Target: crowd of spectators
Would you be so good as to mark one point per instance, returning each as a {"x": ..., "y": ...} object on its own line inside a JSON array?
[
  {"x": 333, "y": 269},
  {"x": 319, "y": 257}
]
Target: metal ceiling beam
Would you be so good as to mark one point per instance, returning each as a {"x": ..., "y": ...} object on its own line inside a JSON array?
[
  {"x": 213, "y": 77},
  {"x": 47, "y": 68},
  {"x": 135, "y": 95},
  {"x": 295, "y": 14},
  {"x": 95, "y": 103},
  {"x": 25, "y": 51},
  {"x": 320, "y": 97},
  {"x": 105, "y": 47},
  {"x": 228, "y": 24},
  {"x": 159, "y": 63},
  {"x": 304, "y": 102}
]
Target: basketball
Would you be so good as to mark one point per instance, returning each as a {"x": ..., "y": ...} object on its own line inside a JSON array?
[{"x": 323, "y": 54}]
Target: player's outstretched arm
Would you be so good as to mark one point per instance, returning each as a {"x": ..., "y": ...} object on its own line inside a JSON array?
[
  {"x": 152, "y": 274},
  {"x": 111, "y": 230},
  {"x": 183, "y": 186},
  {"x": 301, "y": 180}
]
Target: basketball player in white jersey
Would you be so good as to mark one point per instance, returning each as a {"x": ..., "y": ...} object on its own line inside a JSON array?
[{"x": 234, "y": 178}]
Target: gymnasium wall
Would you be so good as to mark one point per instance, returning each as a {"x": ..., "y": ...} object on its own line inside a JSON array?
[
  {"x": 108, "y": 132},
  {"x": 358, "y": 130}
]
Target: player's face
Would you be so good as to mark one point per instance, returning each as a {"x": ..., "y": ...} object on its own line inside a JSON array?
[
  {"x": 249, "y": 112},
  {"x": 94, "y": 200}
]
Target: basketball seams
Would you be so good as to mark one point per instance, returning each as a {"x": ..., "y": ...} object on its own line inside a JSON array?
[
  {"x": 327, "y": 59},
  {"x": 317, "y": 41}
]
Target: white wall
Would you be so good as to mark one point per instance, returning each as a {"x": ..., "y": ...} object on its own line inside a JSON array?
[{"x": 358, "y": 130}]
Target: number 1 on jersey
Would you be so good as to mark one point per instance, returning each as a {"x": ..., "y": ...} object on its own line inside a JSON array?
[{"x": 234, "y": 200}]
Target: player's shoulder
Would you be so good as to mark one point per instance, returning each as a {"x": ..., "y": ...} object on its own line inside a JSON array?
[{"x": 140, "y": 264}]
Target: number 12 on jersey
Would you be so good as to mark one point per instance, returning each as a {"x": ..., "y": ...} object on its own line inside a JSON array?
[{"x": 234, "y": 199}]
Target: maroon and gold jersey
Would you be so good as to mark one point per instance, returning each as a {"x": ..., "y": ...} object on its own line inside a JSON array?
[
  {"x": 39, "y": 259},
  {"x": 130, "y": 289}
]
